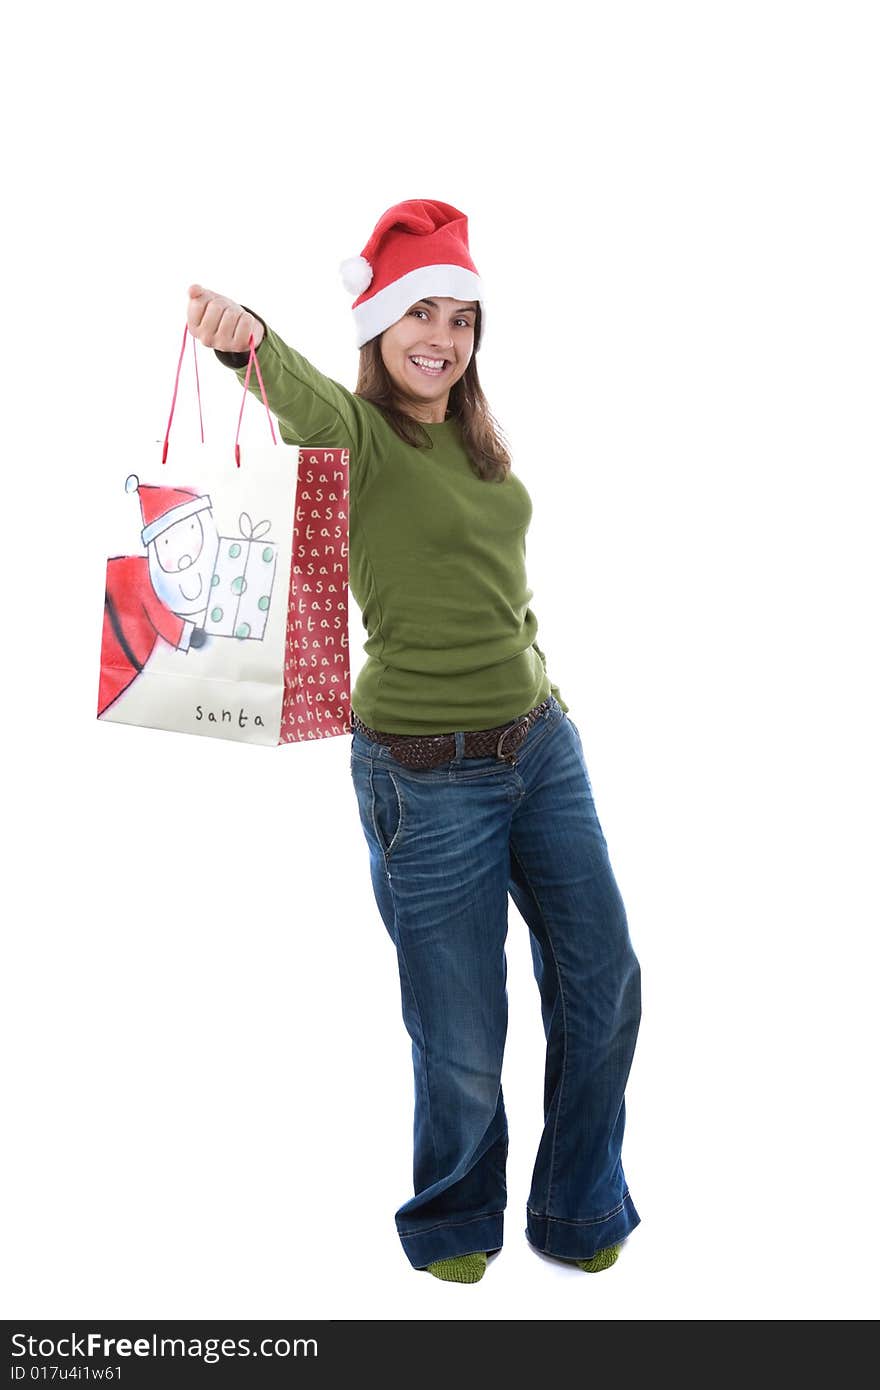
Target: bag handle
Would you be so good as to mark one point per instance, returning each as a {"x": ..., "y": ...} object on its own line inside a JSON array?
[{"x": 252, "y": 360}]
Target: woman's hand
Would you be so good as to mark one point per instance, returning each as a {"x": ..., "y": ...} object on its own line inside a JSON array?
[{"x": 219, "y": 322}]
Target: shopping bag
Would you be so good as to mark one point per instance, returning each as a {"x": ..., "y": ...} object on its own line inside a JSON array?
[{"x": 226, "y": 603}]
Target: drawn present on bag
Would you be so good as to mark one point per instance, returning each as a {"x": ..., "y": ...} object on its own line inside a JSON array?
[
  {"x": 241, "y": 585},
  {"x": 186, "y": 571}
]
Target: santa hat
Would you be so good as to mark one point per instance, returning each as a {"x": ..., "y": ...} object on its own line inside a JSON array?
[
  {"x": 417, "y": 248},
  {"x": 161, "y": 507}
]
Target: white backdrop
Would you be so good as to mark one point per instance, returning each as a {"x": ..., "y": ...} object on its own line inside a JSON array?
[{"x": 675, "y": 211}]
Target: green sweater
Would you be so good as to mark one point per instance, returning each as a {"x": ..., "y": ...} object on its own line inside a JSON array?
[{"x": 436, "y": 559}]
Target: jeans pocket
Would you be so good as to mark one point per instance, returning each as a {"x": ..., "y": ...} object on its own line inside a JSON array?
[
  {"x": 387, "y": 809},
  {"x": 581, "y": 757}
]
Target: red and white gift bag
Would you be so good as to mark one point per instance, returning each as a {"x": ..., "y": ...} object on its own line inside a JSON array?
[{"x": 226, "y": 614}]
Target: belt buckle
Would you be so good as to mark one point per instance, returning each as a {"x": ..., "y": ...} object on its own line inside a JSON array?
[{"x": 513, "y": 727}]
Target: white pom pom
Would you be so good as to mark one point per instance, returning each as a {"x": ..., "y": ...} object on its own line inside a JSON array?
[
  {"x": 131, "y": 483},
  {"x": 356, "y": 274}
]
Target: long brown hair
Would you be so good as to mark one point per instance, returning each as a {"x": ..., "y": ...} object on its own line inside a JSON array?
[{"x": 481, "y": 435}]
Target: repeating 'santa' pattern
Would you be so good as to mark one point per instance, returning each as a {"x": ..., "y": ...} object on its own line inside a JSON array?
[{"x": 317, "y": 675}]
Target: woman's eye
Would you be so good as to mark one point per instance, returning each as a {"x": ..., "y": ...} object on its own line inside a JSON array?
[{"x": 424, "y": 311}]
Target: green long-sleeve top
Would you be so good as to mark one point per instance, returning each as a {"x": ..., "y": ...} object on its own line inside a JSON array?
[{"x": 436, "y": 559}]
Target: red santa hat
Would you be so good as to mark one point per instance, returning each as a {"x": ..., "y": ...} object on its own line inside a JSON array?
[
  {"x": 161, "y": 507},
  {"x": 417, "y": 248}
]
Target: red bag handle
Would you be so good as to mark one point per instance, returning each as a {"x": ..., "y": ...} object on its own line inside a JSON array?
[{"x": 252, "y": 360}]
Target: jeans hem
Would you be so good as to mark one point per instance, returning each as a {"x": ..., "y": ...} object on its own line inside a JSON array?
[
  {"x": 580, "y": 1240},
  {"x": 441, "y": 1242}
]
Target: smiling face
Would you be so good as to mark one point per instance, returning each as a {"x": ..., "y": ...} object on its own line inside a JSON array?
[
  {"x": 182, "y": 563},
  {"x": 432, "y": 330}
]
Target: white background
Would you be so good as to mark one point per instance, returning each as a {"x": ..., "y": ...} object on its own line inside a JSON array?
[{"x": 674, "y": 208}]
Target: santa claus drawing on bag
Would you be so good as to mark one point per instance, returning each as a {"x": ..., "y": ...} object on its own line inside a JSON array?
[{"x": 161, "y": 594}]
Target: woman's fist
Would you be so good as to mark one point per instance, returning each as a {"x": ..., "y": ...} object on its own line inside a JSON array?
[{"x": 219, "y": 322}]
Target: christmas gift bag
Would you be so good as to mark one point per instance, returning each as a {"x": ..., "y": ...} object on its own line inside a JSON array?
[{"x": 227, "y": 612}]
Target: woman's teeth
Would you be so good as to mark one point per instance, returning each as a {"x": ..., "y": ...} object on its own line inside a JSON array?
[{"x": 431, "y": 366}]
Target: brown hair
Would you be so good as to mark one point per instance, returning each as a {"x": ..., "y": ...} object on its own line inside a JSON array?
[{"x": 481, "y": 435}]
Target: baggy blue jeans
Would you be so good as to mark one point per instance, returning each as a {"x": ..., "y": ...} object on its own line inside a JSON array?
[{"x": 446, "y": 846}]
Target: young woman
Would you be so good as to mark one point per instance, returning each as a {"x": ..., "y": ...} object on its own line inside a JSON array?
[{"x": 469, "y": 775}]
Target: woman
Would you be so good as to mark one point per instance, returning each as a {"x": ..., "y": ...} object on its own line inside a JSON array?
[{"x": 469, "y": 775}]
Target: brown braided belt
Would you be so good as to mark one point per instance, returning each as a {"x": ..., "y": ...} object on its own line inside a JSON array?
[{"x": 430, "y": 750}]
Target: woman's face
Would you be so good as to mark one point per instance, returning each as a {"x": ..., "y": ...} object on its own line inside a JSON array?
[{"x": 433, "y": 329}]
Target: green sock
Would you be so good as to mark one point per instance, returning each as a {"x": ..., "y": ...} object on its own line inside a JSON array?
[
  {"x": 603, "y": 1259},
  {"x": 460, "y": 1269}
]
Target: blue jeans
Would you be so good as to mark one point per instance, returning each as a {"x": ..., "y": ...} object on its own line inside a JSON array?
[{"x": 446, "y": 846}]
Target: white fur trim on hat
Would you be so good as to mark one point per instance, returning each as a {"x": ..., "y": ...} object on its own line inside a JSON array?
[
  {"x": 171, "y": 517},
  {"x": 387, "y": 306}
]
